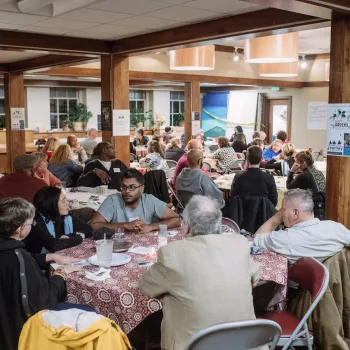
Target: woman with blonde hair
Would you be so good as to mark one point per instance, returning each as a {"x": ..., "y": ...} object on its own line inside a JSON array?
[
  {"x": 51, "y": 145},
  {"x": 154, "y": 159},
  {"x": 174, "y": 151},
  {"x": 273, "y": 150},
  {"x": 63, "y": 167},
  {"x": 308, "y": 177},
  {"x": 41, "y": 171}
]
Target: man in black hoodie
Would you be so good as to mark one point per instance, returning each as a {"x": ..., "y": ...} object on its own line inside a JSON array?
[{"x": 106, "y": 170}]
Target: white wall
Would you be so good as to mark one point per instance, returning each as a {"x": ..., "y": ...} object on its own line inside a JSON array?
[
  {"x": 161, "y": 104},
  {"x": 38, "y": 107},
  {"x": 93, "y": 102}
]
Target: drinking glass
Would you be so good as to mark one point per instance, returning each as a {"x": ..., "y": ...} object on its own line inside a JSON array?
[
  {"x": 119, "y": 235},
  {"x": 104, "y": 251},
  {"x": 162, "y": 235}
]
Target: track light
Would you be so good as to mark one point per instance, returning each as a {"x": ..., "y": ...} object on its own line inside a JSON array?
[
  {"x": 236, "y": 56},
  {"x": 303, "y": 63}
]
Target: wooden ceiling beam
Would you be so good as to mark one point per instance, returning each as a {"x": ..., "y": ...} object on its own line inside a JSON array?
[
  {"x": 44, "y": 61},
  {"x": 72, "y": 72},
  {"x": 261, "y": 22},
  {"x": 53, "y": 43}
]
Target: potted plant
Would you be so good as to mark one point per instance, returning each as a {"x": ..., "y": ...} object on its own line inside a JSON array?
[
  {"x": 179, "y": 120},
  {"x": 78, "y": 116},
  {"x": 139, "y": 116}
]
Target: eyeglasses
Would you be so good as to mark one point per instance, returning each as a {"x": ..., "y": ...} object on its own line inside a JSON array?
[{"x": 131, "y": 188}]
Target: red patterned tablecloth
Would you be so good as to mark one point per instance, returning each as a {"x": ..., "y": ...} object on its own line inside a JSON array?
[{"x": 119, "y": 298}]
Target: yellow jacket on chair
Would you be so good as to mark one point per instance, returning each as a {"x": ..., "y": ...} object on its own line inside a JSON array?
[{"x": 103, "y": 334}]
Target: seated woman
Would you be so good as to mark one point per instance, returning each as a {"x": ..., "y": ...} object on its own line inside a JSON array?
[
  {"x": 154, "y": 159},
  {"x": 174, "y": 151},
  {"x": 54, "y": 229},
  {"x": 160, "y": 140},
  {"x": 284, "y": 161},
  {"x": 63, "y": 167},
  {"x": 273, "y": 150},
  {"x": 238, "y": 131},
  {"x": 200, "y": 137},
  {"x": 225, "y": 155},
  {"x": 309, "y": 178},
  {"x": 140, "y": 139},
  {"x": 24, "y": 289},
  {"x": 51, "y": 145},
  {"x": 40, "y": 169}
]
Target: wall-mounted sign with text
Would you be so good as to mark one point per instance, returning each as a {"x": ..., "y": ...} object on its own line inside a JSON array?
[
  {"x": 338, "y": 130},
  {"x": 121, "y": 122},
  {"x": 17, "y": 119}
]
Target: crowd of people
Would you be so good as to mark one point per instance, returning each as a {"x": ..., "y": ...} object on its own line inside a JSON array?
[{"x": 36, "y": 222}]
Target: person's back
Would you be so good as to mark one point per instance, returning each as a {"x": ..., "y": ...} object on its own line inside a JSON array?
[
  {"x": 88, "y": 145},
  {"x": 174, "y": 153},
  {"x": 225, "y": 299}
]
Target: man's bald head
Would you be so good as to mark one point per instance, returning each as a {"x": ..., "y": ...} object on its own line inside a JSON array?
[
  {"x": 194, "y": 144},
  {"x": 194, "y": 157}
]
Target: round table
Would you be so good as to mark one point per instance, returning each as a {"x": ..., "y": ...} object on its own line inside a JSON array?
[{"x": 119, "y": 298}]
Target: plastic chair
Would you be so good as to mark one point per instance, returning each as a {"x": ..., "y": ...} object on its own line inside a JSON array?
[
  {"x": 170, "y": 173},
  {"x": 236, "y": 165},
  {"x": 312, "y": 276},
  {"x": 207, "y": 166},
  {"x": 171, "y": 163},
  {"x": 242, "y": 335},
  {"x": 133, "y": 157},
  {"x": 231, "y": 224}
]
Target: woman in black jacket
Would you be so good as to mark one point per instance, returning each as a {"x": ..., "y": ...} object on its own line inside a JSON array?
[
  {"x": 174, "y": 151},
  {"x": 54, "y": 229},
  {"x": 24, "y": 289}
]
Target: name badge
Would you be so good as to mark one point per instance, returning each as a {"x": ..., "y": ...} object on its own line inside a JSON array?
[
  {"x": 133, "y": 219},
  {"x": 116, "y": 170}
]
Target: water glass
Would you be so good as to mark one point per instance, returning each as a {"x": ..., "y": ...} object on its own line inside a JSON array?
[
  {"x": 104, "y": 251},
  {"x": 162, "y": 235},
  {"x": 119, "y": 235}
]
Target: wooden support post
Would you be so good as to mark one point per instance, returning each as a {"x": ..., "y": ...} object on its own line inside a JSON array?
[
  {"x": 106, "y": 92},
  {"x": 121, "y": 101},
  {"x": 14, "y": 98},
  {"x": 338, "y": 168},
  {"x": 196, "y": 96},
  {"x": 188, "y": 112}
]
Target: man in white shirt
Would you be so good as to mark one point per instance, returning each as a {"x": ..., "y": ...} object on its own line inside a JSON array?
[{"x": 304, "y": 236}]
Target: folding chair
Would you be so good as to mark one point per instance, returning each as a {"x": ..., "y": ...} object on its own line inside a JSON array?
[
  {"x": 179, "y": 205},
  {"x": 133, "y": 157},
  {"x": 236, "y": 165},
  {"x": 170, "y": 173},
  {"x": 207, "y": 166},
  {"x": 231, "y": 224},
  {"x": 312, "y": 276},
  {"x": 242, "y": 335},
  {"x": 171, "y": 163}
]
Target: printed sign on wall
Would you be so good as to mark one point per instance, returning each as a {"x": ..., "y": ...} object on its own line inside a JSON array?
[{"x": 17, "y": 119}]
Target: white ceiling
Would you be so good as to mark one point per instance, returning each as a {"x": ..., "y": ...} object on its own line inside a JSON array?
[
  {"x": 315, "y": 41},
  {"x": 114, "y": 19},
  {"x": 14, "y": 56}
]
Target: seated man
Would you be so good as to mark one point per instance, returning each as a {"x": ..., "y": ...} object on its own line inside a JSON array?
[
  {"x": 105, "y": 170},
  {"x": 132, "y": 210},
  {"x": 79, "y": 154},
  {"x": 194, "y": 181},
  {"x": 205, "y": 279},
  {"x": 90, "y": 143},
  {"x": 183, "y": 162},
  {"x": 23, "y": 183},
  {"x": 253, "y": 181},
  {"x": 140, "y": 139},
  {"x": 304, "y": 235}
]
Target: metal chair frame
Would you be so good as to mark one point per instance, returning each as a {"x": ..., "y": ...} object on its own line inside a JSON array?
[
  {"x": 133, "y": 157},
  {"x": 170, "y": 173},
  {"x": 171, "y": 163},
  {"x": 179, "y": 203},
  {"x": 238, "y": 163},
  {"x": 268, "y": 331},
  {"x": 207, "y": 166}
]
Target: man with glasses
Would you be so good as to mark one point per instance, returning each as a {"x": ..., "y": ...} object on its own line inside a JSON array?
[
  {"x": 133, "y": 210},
  {"x": 193, "y": 181},
  {"x": 106, "y": 170}
]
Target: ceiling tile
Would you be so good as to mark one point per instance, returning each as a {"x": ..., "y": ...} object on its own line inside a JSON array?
[
  {"x": 61, "y": 23},
  {"x": 19, "y": 18},
  {"x": 147, "y": 23},
  {"x": 174, "y": 2},
  {"x": 44, "y": 30},
  {"x": 224, "y": 6},
  {"x": 10, "y": 26},
  {"x": 183, "y": 14},
  {"x": 93, "y": 15},
  {"x": 133, "y": 7},
  {"x": 88, "y": 35},
  {"x": 9, "y": 6},
  {"x": 112, "y": 29}
]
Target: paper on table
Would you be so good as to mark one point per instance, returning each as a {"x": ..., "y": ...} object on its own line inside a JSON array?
[
  {"x": 99, "y": 275},
  {"x": 141, "y": 250},
  {"x": 81, "y": 263}
]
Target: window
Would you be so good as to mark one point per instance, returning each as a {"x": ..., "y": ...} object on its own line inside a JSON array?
[
  {"x": 137, "y": 100},
  {"x": 2, "y": 108},
  {"x": 61, "y": 99},
  {"x": 177, "y": 105}
]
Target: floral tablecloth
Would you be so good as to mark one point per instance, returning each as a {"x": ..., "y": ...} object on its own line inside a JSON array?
[{"x": 119, "y": 298}]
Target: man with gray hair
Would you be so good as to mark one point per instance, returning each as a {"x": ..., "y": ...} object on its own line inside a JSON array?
[
  {"x": 304, "y": 235},
  {"x": 205, "y": 279}
]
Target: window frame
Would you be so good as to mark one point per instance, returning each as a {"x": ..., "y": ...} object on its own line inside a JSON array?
[{"x": 180, "y": 100}]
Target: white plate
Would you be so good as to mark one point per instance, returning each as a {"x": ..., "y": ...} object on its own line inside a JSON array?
[{"x": 117, "y": 259}]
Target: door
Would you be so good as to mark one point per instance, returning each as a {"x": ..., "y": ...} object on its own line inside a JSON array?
[{"x": 278, "y": 113}]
